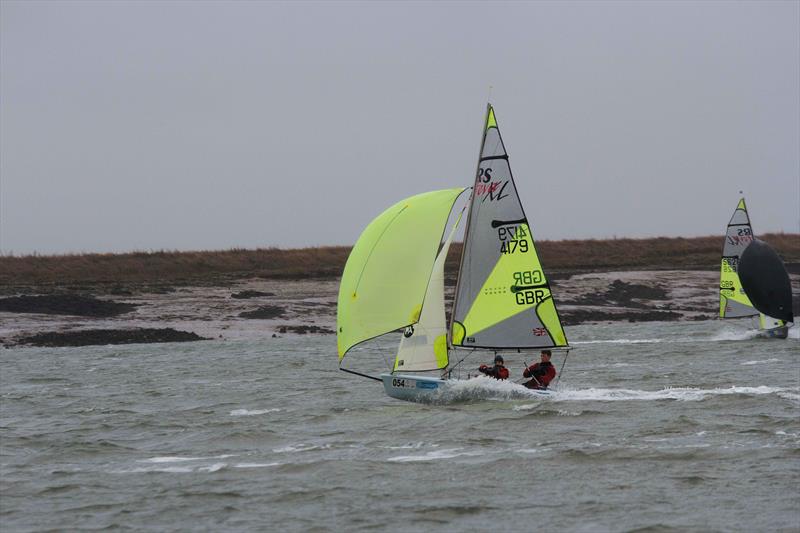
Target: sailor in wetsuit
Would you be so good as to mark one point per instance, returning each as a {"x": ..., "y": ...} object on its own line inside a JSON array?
[
  {"x": 498, "y": 371},
  {"x": 541, "y": 373}
]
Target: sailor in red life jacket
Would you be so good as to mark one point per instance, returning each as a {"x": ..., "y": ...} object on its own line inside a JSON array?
[
  {"x": 542, "y": 373},
  {"x": 498, "y": 371}
]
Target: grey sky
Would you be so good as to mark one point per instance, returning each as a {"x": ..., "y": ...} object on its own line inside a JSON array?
[{"x": 203, "y": 125}]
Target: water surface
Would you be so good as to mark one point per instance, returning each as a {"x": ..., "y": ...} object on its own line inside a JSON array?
[{"x": 660, "y": 427}]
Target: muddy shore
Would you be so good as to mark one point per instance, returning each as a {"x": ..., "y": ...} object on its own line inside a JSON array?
[{"x": 255, "y": 307}]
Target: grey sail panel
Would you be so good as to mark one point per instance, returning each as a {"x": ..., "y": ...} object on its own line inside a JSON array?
[{"x": 739, "y": 232}]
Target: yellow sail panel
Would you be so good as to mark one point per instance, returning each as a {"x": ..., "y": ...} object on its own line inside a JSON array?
[
  {"x": 491, "y": 122},
  {"x": 517, "y": 284},
  {"x": 730, "y": 290},
  {"x": 546, "y": 311},
  {"x": 387, "y": 272}
]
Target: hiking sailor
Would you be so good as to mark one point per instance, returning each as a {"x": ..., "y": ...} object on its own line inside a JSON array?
[{"x": 542, "y": 373}]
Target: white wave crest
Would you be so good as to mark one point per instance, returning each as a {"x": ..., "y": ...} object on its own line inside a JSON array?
[
  {"x": 760, "y": 362},
  {"x": 255, "y": 465},
  {"x": 734, "y": 335},
  {"x": 435, "y": 455},
  {"x": 175, "y": 459},
  {"x": 484, "y": 388},
  {"x": 620, "y": 341},
  {"x": 158, "y": 465},
  {"x": 677, "y": 393},
  {"x": 212, "y": 468},
  {"x": 246, "y": 412},
  {"x": 169, "y": 459},
  {"x": 164, "y": 469},
  {"x": 790, "y": 396},
  {"x": 301, "y": 448}
]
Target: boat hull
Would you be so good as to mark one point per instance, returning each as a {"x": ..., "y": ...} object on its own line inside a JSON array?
[
  {"x": 426, "y": 389},
  {"x": 774, "y": 333}
]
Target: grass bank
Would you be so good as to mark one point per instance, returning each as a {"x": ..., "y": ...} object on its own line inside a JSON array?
[{"x": 695, "y": 253}]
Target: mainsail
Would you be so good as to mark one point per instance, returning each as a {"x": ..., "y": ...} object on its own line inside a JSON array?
[
  {"x": 733, "y": 302},
  {"x": 502, "y": 299},
  {"x": 387, "y": 272}
]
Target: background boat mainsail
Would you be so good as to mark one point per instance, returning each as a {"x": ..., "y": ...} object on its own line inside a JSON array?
[
  {"x": 733, "y": 302},
  {"x": 387, "y": 272},
  {"x": 502, "y": 299}
]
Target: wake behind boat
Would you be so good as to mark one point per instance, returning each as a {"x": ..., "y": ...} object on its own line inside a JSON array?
[{"x": 394, "y": 280}]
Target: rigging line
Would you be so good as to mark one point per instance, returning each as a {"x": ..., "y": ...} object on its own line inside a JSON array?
[
  {"x": 558, "y": 379},
  {"x": 386, "y": 361},
  {"x": 359, "y": 374},
  {"x": 458, "y": 363}
]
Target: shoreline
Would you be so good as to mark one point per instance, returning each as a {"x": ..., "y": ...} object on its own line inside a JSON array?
[
  {"x": 97, "y": 314},
  {"x": 184, "y": 296},
  {"x": 158, "y": 268}
]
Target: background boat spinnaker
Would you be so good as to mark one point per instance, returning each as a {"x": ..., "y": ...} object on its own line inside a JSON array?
[{"x": 766, "y": 281}]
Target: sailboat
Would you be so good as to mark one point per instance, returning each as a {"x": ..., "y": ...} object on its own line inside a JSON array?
[
  {"x": 394, "y": 280},
  {"x": 733, "y": 300}
]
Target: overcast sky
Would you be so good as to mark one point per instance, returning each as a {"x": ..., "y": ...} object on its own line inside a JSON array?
[{"x": 205, "y": 125}]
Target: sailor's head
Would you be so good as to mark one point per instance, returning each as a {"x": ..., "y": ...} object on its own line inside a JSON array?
[
  {"x": 546, "y": 354},
  {"x": 498, "y": 360}
]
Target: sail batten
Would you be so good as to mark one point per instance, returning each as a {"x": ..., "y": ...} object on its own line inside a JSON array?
[{"x": 502, "y": 297}]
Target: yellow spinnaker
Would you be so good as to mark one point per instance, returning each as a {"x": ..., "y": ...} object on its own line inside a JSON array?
[{"x": 389, "y": 267}]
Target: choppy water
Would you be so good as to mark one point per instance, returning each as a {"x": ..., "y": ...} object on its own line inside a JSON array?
[{"x": 654, "y": 427}]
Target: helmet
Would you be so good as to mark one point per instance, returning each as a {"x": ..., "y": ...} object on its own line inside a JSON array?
[{"x": 498, "y": 358}]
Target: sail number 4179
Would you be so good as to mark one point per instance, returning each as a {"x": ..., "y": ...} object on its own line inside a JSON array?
[
  {"x": 514, "y": 246},
  {"x": 512, "y": 239}
]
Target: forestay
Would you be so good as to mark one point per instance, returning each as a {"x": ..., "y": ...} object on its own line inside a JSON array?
[
  {"x": 733, "y": 302},
  {"x": 387, "y": 272},
  {"x": 503, "y": 298}
]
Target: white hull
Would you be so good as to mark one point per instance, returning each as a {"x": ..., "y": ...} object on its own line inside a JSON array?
[{"x": 426, "y": 389}]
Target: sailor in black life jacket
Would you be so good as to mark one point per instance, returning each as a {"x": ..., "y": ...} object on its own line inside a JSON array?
[
  {"x": 541, "y": 373},
  {"x": 498, "y": 371}
]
